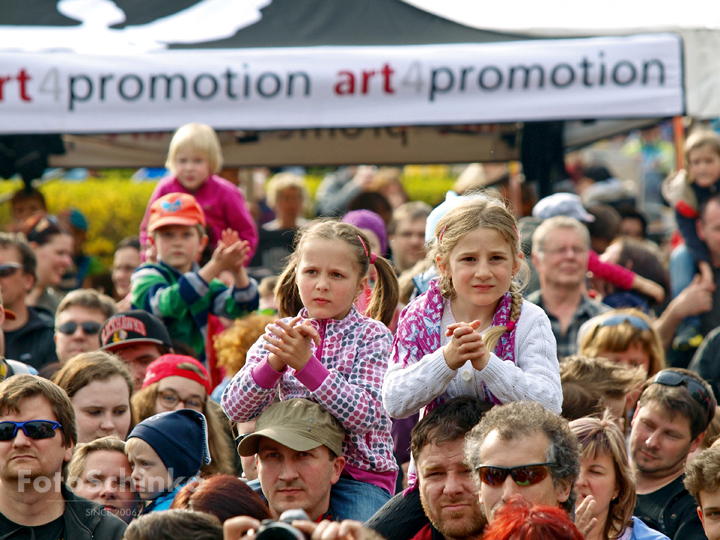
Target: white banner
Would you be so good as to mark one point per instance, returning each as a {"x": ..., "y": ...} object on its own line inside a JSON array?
[{"x": 290, "y": 88}]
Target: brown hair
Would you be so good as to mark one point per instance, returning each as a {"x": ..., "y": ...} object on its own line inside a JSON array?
[
  {"x": 222, "y": 495},
  {"x": 703, "y": 473},
  {"x": 221, "y": 447},
  {"x": 620, "y": 337},
  {"x": 410, "y": 211},
  {"x": 586, "y": 382},
  {"x": 698, "y": 139},
  {"x": 447, "y": 422},
  {"x": 87, "y": 367},
  {"x": 678, "y": 400},
  {"x": 20, "y": 244},
  {"x": 601, "y": 436},
  {"x": 88, "y": 299},
  {"x": 385, "y": 293},
  {"x": 19, "y": 387},
  {"x": 482, "y": 210},
  {"x": 175, "y": 525},
  {"x": 233, "y": 344}
]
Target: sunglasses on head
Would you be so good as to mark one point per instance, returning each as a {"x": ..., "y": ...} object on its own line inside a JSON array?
[
  {"x": 633, "y": 320},
  {"x": 8, "y": 269},
  {"x": 698, "y": 392},
  {"x": 89, "y": 328},
  {"x": 34, "y": 429},
  {"x": 523, "y": 475}
]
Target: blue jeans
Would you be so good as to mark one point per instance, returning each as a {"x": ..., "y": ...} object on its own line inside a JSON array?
[
  {"x": 351, "y": 499},
  {"x": 682, "y": 272}
]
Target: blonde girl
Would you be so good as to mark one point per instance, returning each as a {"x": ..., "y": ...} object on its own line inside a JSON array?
[
  {"x": 472, "y": 333},
  {"x": 326, "y": 351},
  {"x": 195, "y": 159}
]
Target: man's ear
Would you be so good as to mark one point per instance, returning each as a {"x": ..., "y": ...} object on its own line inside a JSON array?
[
  {"x": 699, "y": 229},
  {"x": 2, "y": 315},
  {"x": 701, "y": 516},
  {"x": 69, "y": 449},
  {"x": 338, "y": 466},
  {"x": 562, "y": 490},
  {"x": 697, "y": 441}
]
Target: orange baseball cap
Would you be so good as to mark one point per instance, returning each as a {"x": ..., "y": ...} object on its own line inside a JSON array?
[{"x": 175, "y": 209}]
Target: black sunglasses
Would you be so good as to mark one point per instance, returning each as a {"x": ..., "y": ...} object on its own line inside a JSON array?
[
  {"x": 8, "y": 269},
  {"x": 523, "y": 475},
  {"x": 35, "y": 429},
  {"x": 89, "y": 328},
  {"x": 698, "y": 392}
]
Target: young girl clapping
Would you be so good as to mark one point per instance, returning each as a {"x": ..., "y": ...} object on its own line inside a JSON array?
[
  {"x": 472, "y": 333},
  {"x": 326, "y": 351}
]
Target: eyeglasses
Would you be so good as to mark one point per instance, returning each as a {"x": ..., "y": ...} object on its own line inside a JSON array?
[
  {"x": 523, "y": 475},
  {"x": 633, "y": 320},
  {"x": 576, "y": 251},
  {"x": 698, "y": 392},
  {"x": 8, "y": 269},
  {"x": 89, "y": 328},
  {"x": 170, "y": 399},
  {"x": 34, "y": 429}
]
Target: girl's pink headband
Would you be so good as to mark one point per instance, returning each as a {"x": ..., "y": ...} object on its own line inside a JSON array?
[{"x": 368, "y": 254}]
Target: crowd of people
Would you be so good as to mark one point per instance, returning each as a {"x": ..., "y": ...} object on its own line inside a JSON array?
[{"x": 384, "y": 369}]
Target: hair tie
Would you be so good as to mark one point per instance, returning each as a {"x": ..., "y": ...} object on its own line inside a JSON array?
[
  {"x": 441, "y": 234},
  {"x": 373, "y": 258},
  {"x": 367, "y": 253},
  {"x": 510, "y": 326}
]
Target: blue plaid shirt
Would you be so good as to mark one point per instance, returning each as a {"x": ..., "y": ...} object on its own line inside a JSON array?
[{"x": 567, "y": 342}]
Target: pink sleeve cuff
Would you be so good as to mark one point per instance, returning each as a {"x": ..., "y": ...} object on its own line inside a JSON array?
[
  {"x": 265, "y": 375},
  {"x": 312, "y": 374}
]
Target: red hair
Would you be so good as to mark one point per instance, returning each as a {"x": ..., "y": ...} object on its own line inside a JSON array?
[
  {"x": 222, "y": 495},
  {"x": 521, "y": 520}
]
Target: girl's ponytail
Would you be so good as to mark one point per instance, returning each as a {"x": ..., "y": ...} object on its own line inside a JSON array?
[
  {"x": 493, "y": 334},
  {"x": 384, "y": 299},
  {"x": 286, "y": 291}
]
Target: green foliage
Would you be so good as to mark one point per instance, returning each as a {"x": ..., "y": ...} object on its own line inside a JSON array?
[{"x": 114, "y": 205}]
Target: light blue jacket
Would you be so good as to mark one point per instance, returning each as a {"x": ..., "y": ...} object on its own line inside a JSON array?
[{"x": 640, "y": 531}]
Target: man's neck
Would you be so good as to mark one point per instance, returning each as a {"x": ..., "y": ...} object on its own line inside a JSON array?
[
  {"x": 648, "y": 483},
  {"x": 22, "y": 316},
  {"x": 556, "y": 297},
  {"x": 21, "y": 504}
]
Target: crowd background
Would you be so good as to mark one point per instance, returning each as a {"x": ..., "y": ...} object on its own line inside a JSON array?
[{"x": 607, "y": 315}]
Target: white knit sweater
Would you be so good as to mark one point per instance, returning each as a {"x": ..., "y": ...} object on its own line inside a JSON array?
[{"x": 535, "y": 375}]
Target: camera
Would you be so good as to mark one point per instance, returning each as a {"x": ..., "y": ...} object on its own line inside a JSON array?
[{"x": 282, "y": 529}]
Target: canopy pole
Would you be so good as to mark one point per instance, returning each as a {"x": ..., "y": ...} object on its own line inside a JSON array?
[
  {"x": 679, "y": 137},
  {"x": 515, "y": 195}
]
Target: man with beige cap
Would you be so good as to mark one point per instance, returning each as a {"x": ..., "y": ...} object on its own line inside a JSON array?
[{"x": 298, "y": 450}]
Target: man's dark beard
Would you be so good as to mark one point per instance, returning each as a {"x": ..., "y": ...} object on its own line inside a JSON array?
[{"x": 471, "y": 529}]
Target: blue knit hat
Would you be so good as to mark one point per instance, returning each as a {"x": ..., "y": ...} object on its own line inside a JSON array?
[{"x": 179, "y": 438}]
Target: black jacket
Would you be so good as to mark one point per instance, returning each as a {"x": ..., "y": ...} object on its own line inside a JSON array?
[
  {"x": 86, "y": 520},
  {"x": 34, "y": 343}
]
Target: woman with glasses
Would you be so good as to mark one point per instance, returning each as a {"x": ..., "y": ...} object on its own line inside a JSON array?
[
  {"x": 100, "y": 387},
  {"x": 176, "y": 382},
  {"x": 625, "y": 336},
  {"x": 607, "y": 480},
  {"x": 53, "y": 247}
]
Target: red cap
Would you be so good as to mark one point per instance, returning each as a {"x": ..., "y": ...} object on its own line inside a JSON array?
[
  {"x": 175, "y": 209},
  {"x": 168, "y": 366}
]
